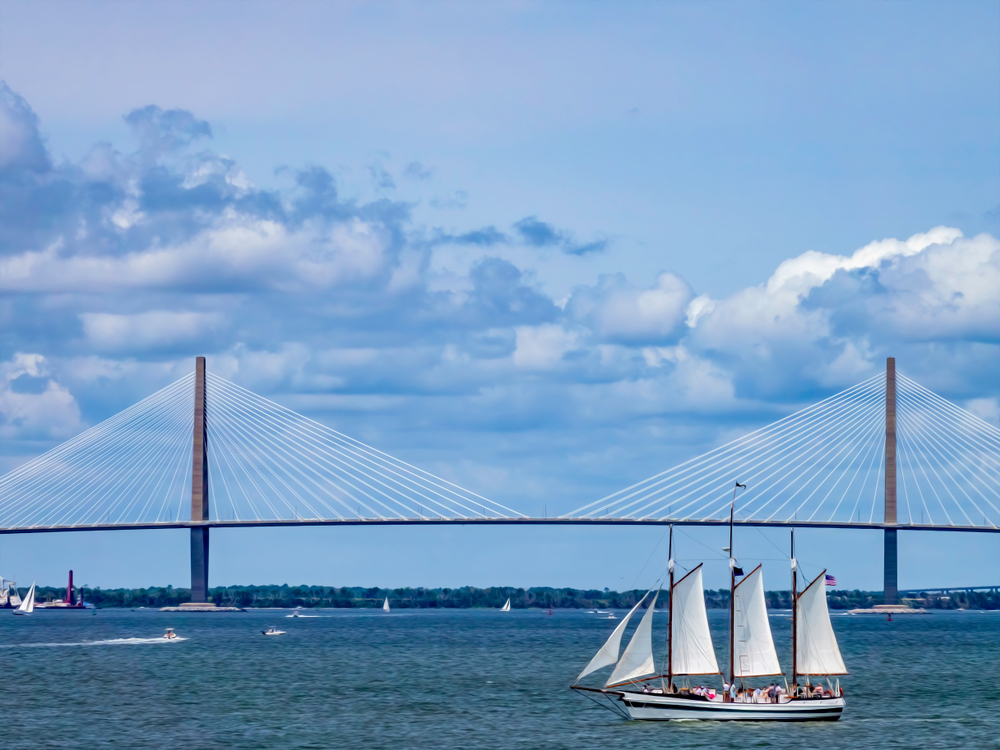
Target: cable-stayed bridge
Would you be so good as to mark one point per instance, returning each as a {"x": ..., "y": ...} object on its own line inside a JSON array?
[{"x": 203, "y": 452}]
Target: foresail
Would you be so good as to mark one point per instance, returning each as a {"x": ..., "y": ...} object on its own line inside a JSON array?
[
  {"x": 608, "y": 654},
  {"x": 753, "y": 647},
  {"x": 816, "y": 649},
  {"x": 637, "y": 661},
  {"x": 692, "y": 651}
]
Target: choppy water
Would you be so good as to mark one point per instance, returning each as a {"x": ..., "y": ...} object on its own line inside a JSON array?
[{"x": 446, "y": 679}]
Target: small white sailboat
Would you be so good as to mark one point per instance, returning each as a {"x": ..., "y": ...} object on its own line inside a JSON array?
[
  {"x": 28, "y": 603},
  {"x": 690, "y": 652},
  {"x": 506, "y": 607},
  {"x": 385, "y": 605}
]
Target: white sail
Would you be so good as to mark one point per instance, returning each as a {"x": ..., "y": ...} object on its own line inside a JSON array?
[
  {"x": 637, "y": 660},
  {"x": 385, "y": 605},
  {"x": 506, "y": 607},
  {"x": 28, "y": 603},
  {"x": 691, "y": 646},
  {"x": 608, "y": 654},
  {"x": 816, "y": 649},
  {"x": 753, "y": 647}
]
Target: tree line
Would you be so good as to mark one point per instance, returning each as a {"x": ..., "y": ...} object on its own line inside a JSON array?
[{"x": 466, "y": 597}]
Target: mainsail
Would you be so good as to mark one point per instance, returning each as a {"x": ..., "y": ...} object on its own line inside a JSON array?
[
  {"x": 816, "y": 649},
  {"x": 753, "y": 647},
  {"x": 506, "y": 607},
  {"x": 385, "y": 605},
  {"x": 691, "y": 650},
  {"x": 637, "y": 660},
  {"x": 28, "y": 605},
  {"x": 608, "y": 654}
]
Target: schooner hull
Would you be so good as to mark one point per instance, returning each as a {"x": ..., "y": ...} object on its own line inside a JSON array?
[{"x": 651, "y": 707}]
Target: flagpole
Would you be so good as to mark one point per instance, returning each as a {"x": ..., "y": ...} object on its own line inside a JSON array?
[
  {"x": 670, "y": 615},
  {"x": 795, "y": 616}
]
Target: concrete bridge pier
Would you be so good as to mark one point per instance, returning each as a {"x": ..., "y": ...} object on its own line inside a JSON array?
[{"x": 199, "y": 491}]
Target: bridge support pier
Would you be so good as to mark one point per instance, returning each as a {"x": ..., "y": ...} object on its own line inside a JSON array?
[
  {"x": 199, "y": 565},
  {"x": 199, "y": 490},
  {"x": 890, "y": 590}
]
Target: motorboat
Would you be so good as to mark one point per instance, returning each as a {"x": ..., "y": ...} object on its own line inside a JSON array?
[
  {"x": 170, "y": 634},
  {"x": 272, "y": 631}
]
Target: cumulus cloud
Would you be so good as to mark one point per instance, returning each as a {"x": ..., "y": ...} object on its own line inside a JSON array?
[{"x": 118, "y": 269}]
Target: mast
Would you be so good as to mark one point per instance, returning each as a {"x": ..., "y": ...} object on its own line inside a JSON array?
[
  {"x": 732, "y": 589},
  {"x": 795, "y": 613},
  {"x": 670, "y": 613}
]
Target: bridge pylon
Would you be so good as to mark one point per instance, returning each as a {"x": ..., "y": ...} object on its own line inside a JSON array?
[
  {"x": 199, "y": 491},
  {"x": 890, "y": 582}
]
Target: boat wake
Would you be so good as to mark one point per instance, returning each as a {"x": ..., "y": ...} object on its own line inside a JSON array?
[{"x": 108, "y": 642}]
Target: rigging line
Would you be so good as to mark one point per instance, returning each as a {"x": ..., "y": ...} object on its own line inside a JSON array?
[
  {"x": 369, "y": 449},
  {"x": 797, "y": 448},
  {"x": 961, "y": 419},
  {"x": 850, "y": 454},
  {"x": 680, "y": 530},
  {"x": 370, "y": 466},
  {"x": 878, "y": 481},
  {"x": 779, "y": 440},
  {"x": 649, "y": 558},
  {"x": 78, "y": 441},
  {"x": 376, "y": 501},
  {"x": 817, "y": 449},
  {"x": 707, "y": 456},
  {"x": 936, "y": 446},
  {"x": 338, "y": 469},
  {"x": 954, "y": 435},
  {"x": 870, "y": 447},
  {"x": 69, "y": 484}
]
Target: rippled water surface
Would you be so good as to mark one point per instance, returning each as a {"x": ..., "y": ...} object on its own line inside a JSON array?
[{"x": 447, "y": 679}]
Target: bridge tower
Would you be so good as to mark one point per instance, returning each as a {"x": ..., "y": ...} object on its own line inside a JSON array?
[
  {"x": 890, "y": 587},
  {"x": 199, "y": 491}
]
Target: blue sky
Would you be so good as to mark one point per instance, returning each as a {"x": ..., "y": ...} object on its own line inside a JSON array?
[{"x": 545, "y": 250}]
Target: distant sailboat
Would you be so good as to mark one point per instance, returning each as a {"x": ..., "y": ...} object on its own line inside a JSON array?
[
  {"x": 506, "y": 607},
  {"x": 28, "y": 603},
  {"x": 690, "y": 652},
  {"x": 385, "y": 605}
]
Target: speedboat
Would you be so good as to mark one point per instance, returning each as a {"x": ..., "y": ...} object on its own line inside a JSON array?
[
  {"x": 272, "y": 631},
  {"x": 170, "y": 634}
]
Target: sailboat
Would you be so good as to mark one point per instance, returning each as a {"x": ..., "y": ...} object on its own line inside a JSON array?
[
  {"x": 636, "y": 691},
  {"x": 506, "y": 607},
  {"x": 28, "y": 603},
  {"x": 385, "y": 605}
]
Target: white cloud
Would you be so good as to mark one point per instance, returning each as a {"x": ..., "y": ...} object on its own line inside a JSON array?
[
  {"x": 542, "y": 347},
  {"x": 157, "y": 328},
  {"x": 616, "y": 310},
  {"x": 47, "y": 410}
]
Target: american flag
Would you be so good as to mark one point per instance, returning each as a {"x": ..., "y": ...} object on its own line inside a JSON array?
[{"x": 830, "y": 580}]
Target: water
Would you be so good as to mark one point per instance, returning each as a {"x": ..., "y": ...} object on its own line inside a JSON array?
[{"x": 446, "y": 679}]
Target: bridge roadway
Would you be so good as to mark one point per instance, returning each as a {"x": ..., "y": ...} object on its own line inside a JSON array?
[{"x": 492, "y": 521}]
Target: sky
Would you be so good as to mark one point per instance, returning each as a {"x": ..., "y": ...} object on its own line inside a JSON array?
[{"x": 544, "y": 250}]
